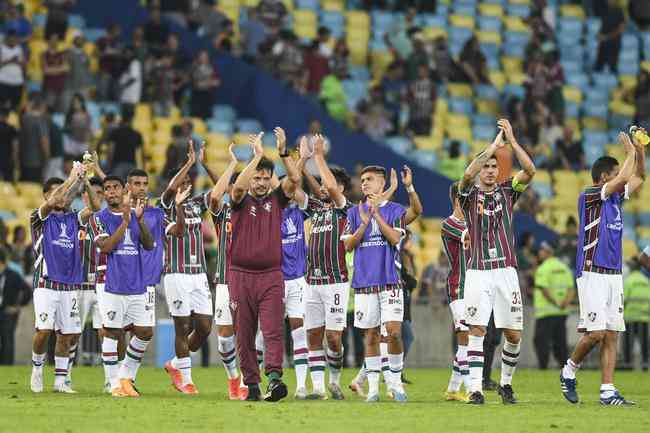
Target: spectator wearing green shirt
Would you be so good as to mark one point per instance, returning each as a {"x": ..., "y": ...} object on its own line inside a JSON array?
[
  {"x": 637, "y": 314},
  {"x": 554, "y": 292},
  {"x": 453, "y": 165},
  {"x": 333, "y": 96}
]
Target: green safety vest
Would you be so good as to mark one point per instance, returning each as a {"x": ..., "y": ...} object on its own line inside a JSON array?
[
  {"x": 557, "y": 278},
  {"x": 637, "y": 298}
]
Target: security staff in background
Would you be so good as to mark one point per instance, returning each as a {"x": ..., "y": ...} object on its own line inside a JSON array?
[
  {"x": 14, "y": 293},
  {"x": 554, "y": 292},
  {"x": 637, "y": 314}
]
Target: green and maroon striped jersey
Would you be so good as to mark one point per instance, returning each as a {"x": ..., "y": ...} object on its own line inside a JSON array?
[
  {"x": 488, "y": 215},
  {"x": 326, "y": 251},
  {"x": 452, "y": 241},
  {"x": 89, "y": 257},
  {"x": 223, "y": 227},
  {"x": 185, "y": 255}
]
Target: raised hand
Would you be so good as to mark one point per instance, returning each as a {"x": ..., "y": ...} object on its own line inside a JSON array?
[
  {"x": 191, "y": 154},
  {"x": 231, "y": 151},
  {"x": 506, "y": 127},
  {"x": 255, "y": 140},
  {"x": 498, "y": 141},
  {"x": 126, "y": 208},
  {"x": 393, "y": 179},
  {"x": 365, "y": 219},
  {"x": 319, "y": 145},
  {"x": 139, "y": 208},
  {"x": 202, "y": 153},
  {"x": 305, "y": 151},
  {"x": 626, "y": 142},
  {"x": 407, "y": 176},
  {"x": 280, "y": 140},
  {"x": 181, "y": 196}
]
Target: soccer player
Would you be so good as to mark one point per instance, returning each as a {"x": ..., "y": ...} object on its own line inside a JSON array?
[
  {"x": 491, "y": 281},
  {"x": 374, "y": 231},
  {"x": 598, "y": 267},
  {"x": 328, "y": 287},
  {"x": 185, "y": 280},
  {"x": 58, "y": 276},
  {"x": 454, "y": 239},
  {"x": 255, "y": 280}
]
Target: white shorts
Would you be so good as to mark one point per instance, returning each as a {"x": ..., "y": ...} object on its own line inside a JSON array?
[
  {"x": 187, "y": 294},
  {"x": 119, "y": 311},
  {"x": 326, "y": 305},
  {"x": 57, "y": 310},
  {"x": 294, "y": 298},
  {"x": 222, "y": 315},
  {"x": 457, "y": 308},
  {"x": 374, "y": 309},
  {"x": 493, "y": 291},
  {"x": 88, "y": 307},
  {"x": 601, "y": 302}
]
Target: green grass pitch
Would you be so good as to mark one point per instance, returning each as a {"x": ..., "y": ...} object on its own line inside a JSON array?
[{"x": 160, "y": 409}]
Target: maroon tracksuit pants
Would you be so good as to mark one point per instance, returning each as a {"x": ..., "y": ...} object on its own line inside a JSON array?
[{"x": 258, "y": 297}]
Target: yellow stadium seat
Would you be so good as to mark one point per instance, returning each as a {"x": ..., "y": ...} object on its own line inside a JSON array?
[
  {"x": 29, "y": 189},
  {"x": 462, "y": 134},
  {"x": 489, "y": 37},
  {"x": 288, "y": 4},
  {"x": 512, "y": 65},
  {"x": 520, "y": 2},
  {"x": 333, "y": 5},
  {"x": 250, "y": 3},
  {"x": 498, "y": 79},
  {"x": 240, "y": 138},
  {"x": 630, "y": 249},
  {"x": 461, "y": 21},
  {"x": 490, "y": 10},
  {"x": 357, "y": 19},
  {"x": 308, "y": 31},
  {"x": 645, "y": 65},
  {"x": 379, "y": 61},
  {"x": 515, "y": 24},
  {"x": 594, "y": 123},
  {"x": 433, "y": 33},
  {"x": 622, "y": 108},
  {"x": 486, "y": 106},
  {"x": 477, "y": 146},
  {"x": 572, "y": 94},
  {"x": 304, "y": 17},
  {"x": 543, "y": 176},
  {"x": 518, "y": 79},
  {"x": 424, "y": 143},
  {"x": 457, "y": 121},
  {"x": 573, "y": 11},
  {"x": 627, "y": 81},
  {"x": 460, "y": 90}
]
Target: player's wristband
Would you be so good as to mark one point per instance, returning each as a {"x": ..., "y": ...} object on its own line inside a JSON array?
[
  {"x": 284, "y": 155},
  {"x": 410, "y": 189}
]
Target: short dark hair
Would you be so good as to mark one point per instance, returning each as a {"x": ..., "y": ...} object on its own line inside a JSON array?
[
  {"x": 128, "y": 111},
  {"x": 233, "y": 178},
  {"x": 604, "y": 164},
  {"x": 3, "y": 256},
  {"x": 453, "y": 192},
  {"x": 136, "y": 172},
  {"x": 342, "y": 177},
  {"x": 265, "y": 164},
  {"x": 113, "y": 178},
  {"x": 373, "y": 169},
  {"x": 53, "y": 181},
  {"x": 95, "y": 181}
]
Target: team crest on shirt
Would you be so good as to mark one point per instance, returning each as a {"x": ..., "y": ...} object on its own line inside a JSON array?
[
  {"x": 359, "y": 315},
  {"x": 233, "y": 305},
  {"x": 218, "y": 312},
  {"x": 111, "y": 315},
  {"x": 592, "y": 316},
  {"x": 497, "y": 196},
  {"x": 267, "y": 206},
  {"x": 471, "y": 311},
  {"x": 64, "y": 229},
  {"x": 43, "y": 317},
  {"x": 177, "y": 303},
  {"x": 253, "y": 211}
]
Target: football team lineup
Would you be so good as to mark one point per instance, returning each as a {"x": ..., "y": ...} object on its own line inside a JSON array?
[{"x": 269, "y": 267}]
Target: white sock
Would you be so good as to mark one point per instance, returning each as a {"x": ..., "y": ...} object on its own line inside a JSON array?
[
  {"x": 475, "y": 360},
  {"x": 373, "y": 365},
  {"x": 184, "y": 365},
  {"x": 607, "y": 390},
  {"x": 461, "y": 359},
  {"x": 396, "y": 363},
  {"x": 317, "y": 370},
  {"x": 362, "y": 375},
  {"x": 300, "y": 355},
  {"x": 259, "y": 347},
  {"x": 456, "y": 378},
  {"x": 228, "y": 355},
  {"x": 385, "y": 368},
  {"x": 570, "y": 369},
  {"x": 509, "y": 358},
  {"x": 38, "y": 359},
  {"x": 110, "y": 360},
  {"x": 73, "y": 355},
  {"x": 335, "y": 364},
  {"x": 133, "y": 358},
  {"x": 60, "y": 369}
]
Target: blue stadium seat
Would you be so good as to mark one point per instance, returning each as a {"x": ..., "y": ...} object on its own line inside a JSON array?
[
  {"x": 571, "y": 109},
  {"x": 220, "y": 126},
  {"x": 459, "y": 34},
  {"x": 512, "y": 50},
  {"x": 268, "y": 140},
  {"x": 483, "y": 120},
  {"x": 381, "y": 19},
  {"x": 360, "y": 73},
  {"x": 630, "y": 42},
  {"x": 619, "y": 122},
  {"x": 430, "y": 20},
  {"x": 484, "y": 132},
  {"x": 515, "y": 10},
  {"x": 251, "y": 126},
  {"x": 378, "y": 45},
  {"x": 485, "y": 91},
  {"x": 335, "y": 21},
  {"x": 570, "y": 25},
  {"x": 77, "y": 21},
  {"x": 400, "y": 145},
  {"x": 516, "y": 38},
  {"x": 644, "y": 218},
  {"x": 461, "y": 105},
  {"x": 597, "y": 139},
  {"x": 455, "y": 48},
  {"x": 308, "y": 4},
  {"x": 94, "y": 34},
  {"x": 424, "y": 158},
  {"x": 464, "y": 9},
  {"x": 489, "y": 23},
  {"x": 109, "y": 107},
  {"x": 579, "y": 80},
  {"x": 39, "y": 20},
  {"x": 224, "y": 113},
  {"x": 491, "y": 51},
  {"x": 595, "y": 110},
  {"x": 514, "y": 90},
  {"x": 628, "y": 67},
  {"x": 572, "y": 67},
  {"x": 243, "y": 152},
  {"x": 593, "y": 26},
  {"x": 544, "y": 190},
  {"x": 58, "y": 119},
  {"x": 604, "y": 80}
]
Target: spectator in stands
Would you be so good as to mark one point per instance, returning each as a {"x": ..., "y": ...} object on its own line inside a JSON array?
[
  {"x": 569, "y": 154},
  {"x": 208, "y": 19},
  {"x": 395, "y": 89},
  {"x": 473, "y": 63},
  {"x": 333, "y": 95},
  {"x": 125, "y": 145},
  {"x": 639, "y": 95},
  {"x": 637, "y": 315},
  {"x": 555, "y": 74},
  {"x": 163, "y": 78},
  {"x": 110, "y": 63},
  {"x": 8, "y": 147},
  {"x": 340, "y": 59},
  {"x": 611, "y": 33},
  {"x": 421, "y": 96},
  {"x": 452, "y": 165},
  {"x": 433, "y": 282},
  {"x": 316, "y": 68},
  {"x": 140, "y": 48},
  {"x": 554, "y": 292},
  {"x": 34, "y": 139},
  {"x": 518, "y": 119},
  {"x": 398, "y": 38},
  {"x": 253, "y": 33},
  {"x": 79, "y": 78},
  {"x": 20, "y": 250},
  {"x": 223, "y": 41},
  {"x": 78, "y": 128},
  {"x": 289, "y": 60},
  {"x": 181, "y": 63},
  {"x": 546, "y": 12},
  {"x": 14, "y": 294},
  {"x": 541, "y": 27},
  {"x": 272, "y": 13},
  {"x": 315, "y": 128},
  {"x": 568, "y": 241},
  {"x": 323, "y": 39},
  {"x": 527, "y": 262},
  {"x": 419, "y": 57},
  {"x": 55, "y": 70},
  {"x": 56, "y": 164},
  {"x": 408, "y": 275},
  {"x": 176, "y": 153},
  {"x": 444, "y": 64},
  {"x": 16, "y": 21},
  {"x": 12, "y": 71},
  {"x": 156, "y": 31},
  {"x": 130, "y": 82},
  {"x": 57, "y": 17},
  {"x": 204, "y": 83},
  {"x": 372, "y": 116},
  {"x": 175, "y": 11},
  {"x": 640, "y": 13}
]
